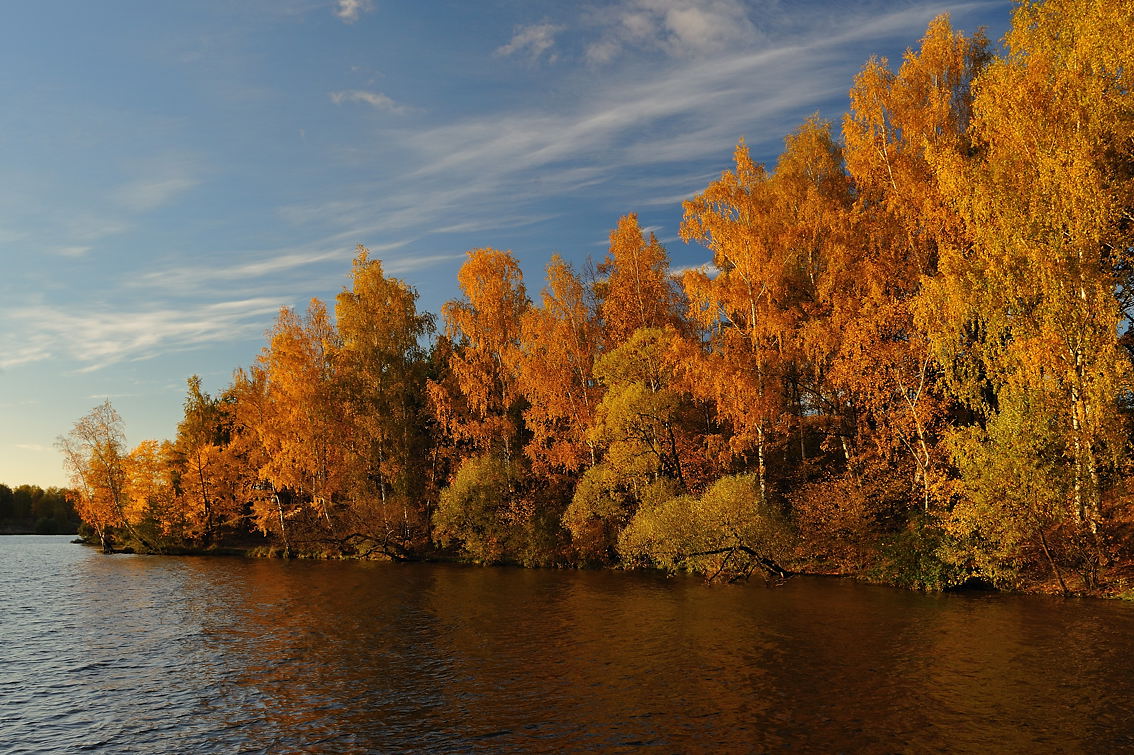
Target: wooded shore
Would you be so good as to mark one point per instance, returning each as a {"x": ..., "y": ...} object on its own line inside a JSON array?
[{"x": 907, "y": 357}]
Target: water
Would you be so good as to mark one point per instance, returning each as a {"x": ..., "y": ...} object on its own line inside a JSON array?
[{"x": 157, "y": 654}]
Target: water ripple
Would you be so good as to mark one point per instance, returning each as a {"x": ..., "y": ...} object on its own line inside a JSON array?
[{"x": 142, "y": 654}]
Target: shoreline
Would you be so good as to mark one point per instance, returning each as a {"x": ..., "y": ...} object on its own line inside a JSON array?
[{"x": 1039, "y": 588}]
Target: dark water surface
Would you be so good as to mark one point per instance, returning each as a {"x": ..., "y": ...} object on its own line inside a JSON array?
[{"x": 151, "y": 654}]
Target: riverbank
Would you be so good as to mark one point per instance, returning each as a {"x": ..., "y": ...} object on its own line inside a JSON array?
[{"x": 1114, "y": 583}]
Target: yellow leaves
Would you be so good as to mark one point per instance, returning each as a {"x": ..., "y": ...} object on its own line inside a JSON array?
[
  {"x": 553, "y": 365},
  {"x": 150, "y": 497},
  {"x": 94, "y": 454},
  {"x": 484, "y": 329},
  {"x": 380, "y": 377},
  {"x": 638, "y": 291},
  {"x": 304, "y": 423}
]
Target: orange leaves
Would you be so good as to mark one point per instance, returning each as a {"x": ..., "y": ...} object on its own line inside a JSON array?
[
  {"x": 558, "y": 345},
  {"x": 482, "y": 405},
  {"x": 305, "y": 417},
  {"x": 888, "y": 330},
  {"x": 638, "y": 292}
]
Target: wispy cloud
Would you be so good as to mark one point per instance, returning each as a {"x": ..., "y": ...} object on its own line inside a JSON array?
[
  {"x": 98, "y": 338},
  {"x": 27, "y": 351},
  {"x": 34, "y": 447},
  {"x": 374, "y": 99},
  {"x": 404, "y": 265},
  {"x": 184, "y": 278},
  {"x": 71, "y": 251},
  {"x": 351, "y": 10},
  {"x": 640, "y": 136},
  {"x": 644, "y": 117},
  {"x": 148, "y": 194},
  {"x": 533, "y": 41}
]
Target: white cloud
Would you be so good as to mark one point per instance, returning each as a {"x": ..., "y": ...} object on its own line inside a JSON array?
[
  {"x": 197, "y": 278},
  {"x": 16, "y": 354},
  {"x": 36, "y": 447},
  {"x": 71, "y": 251},
  {"x": 402, "y": 265},
  {"x": 351, "y": 10},
  {"x": 708, "y": 268},
  {"x": 98, "y": 338},
  {"x": 142, "y": 196},
  {"x": 677, "y": 27},
  {"x": 374, "y": 99},
  {"x": 534, "y": 41},
  {"x": 500, "y": 167}
]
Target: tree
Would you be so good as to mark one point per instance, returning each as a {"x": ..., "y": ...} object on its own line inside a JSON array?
[
  {"x": 728, "y": 531},
  {"x": 1028, "y": 315},
  {"x": 248, "y": 416},
  {"x": 558, "y": 345},
  {"x": 897, "y": 125},
  {"x": 151, "y": 505},
  {"x": 304, "y": 426},
  {"x": 381, "y": 367},
  {"x": 482, "y": 407},
  {"x": 474, "y": 511},
  {"x": 201, "y": 465},
  {"x": 94, "y": 454},
  {"x": 635, "y": 426},
  {"x": 771, "y": 239},
  {"x": 637, "y": 292}
]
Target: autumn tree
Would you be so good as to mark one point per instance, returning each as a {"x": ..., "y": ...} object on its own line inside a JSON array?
[
  {"x": 478, "y": 404},
  {"x": 151, "y": 505},
  {"x": 637, "y": 292},
  {"x": 381, "y": 370},
  {"x": 248, "y": 419},
  {"x": 482, "y": 407},
  {"x": 201, "y": 474},
  {"x": 636, "y": 429},
  {"x": 554, "y": 362},
  {"x": 897, "y": 124},
  {"x": 304, "y": 427},
  {"x": 771, "y": 237},
  {"x": 94, "y": 453},
  {"x": 728, "y": 531},
  {"x": 1028, "y": 315}
]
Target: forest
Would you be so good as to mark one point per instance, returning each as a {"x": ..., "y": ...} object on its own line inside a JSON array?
[
  {"x": 908, "y": 359},
  {"x": 29, "y": 509}
]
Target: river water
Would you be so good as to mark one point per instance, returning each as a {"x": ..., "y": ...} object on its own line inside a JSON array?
[{"x": 162, "y": 654}]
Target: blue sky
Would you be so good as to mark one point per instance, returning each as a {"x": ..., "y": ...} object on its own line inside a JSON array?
[{"x": 176, "y": 172}]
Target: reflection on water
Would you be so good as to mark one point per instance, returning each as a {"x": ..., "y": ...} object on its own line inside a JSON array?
[{"x": 150, "y": 654}]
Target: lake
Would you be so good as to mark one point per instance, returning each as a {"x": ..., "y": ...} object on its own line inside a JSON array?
[{"x": 192, "y": 654}]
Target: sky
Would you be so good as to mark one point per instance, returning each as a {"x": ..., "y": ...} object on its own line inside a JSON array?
[{"x": 174, "y": 173}]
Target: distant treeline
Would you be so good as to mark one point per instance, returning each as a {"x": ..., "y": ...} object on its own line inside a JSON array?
[
  {"x": 29, "y": 509},
  {"x": 908, "y": 359}
]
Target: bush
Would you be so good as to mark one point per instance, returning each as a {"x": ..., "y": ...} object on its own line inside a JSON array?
[{"x": 727, "y": 532}]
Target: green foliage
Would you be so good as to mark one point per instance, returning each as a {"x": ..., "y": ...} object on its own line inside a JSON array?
[
  {"x": 30, "y": 508},
  {"x": 472, "y": 511},
  {"x": 1013, "y": 488},
  {"x": 605, "y": 500},
  {"x": 728, "y": 531},
  {"x": 912, "y": 558}
]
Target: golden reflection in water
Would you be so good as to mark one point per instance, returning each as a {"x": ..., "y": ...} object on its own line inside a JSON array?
[{"x": 297, "y": 656}]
